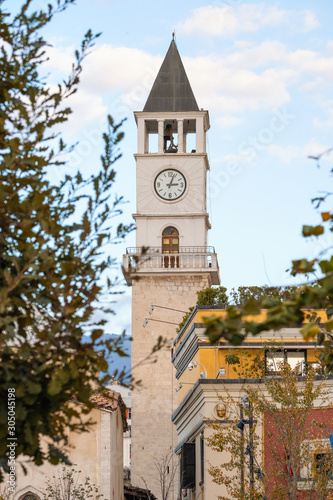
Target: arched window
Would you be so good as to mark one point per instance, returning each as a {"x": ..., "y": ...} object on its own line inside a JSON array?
[
  {"x": 170, "y": 240},
  {"x": 170, "y": 245},
  {"x": 30, "y": 496}
]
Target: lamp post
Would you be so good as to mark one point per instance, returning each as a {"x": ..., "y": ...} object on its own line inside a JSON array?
[
  {"x": 246, "y": 404},
  {"x": 193, "y": 364}
]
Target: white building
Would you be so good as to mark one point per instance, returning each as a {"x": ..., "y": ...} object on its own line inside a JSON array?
[
  {"x": 125, "y": 393},
  {"x": 98, "y": 454}
]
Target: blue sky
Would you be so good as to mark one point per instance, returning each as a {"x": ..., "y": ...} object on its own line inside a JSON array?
[{"x": 265, "y": 73}]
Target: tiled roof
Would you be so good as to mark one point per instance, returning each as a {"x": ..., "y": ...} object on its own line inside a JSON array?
[
  {"x": 110, "y": 401},
  {"x": 136, "y": 493}
]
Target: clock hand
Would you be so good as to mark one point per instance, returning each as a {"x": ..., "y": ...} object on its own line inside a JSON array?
[
  {"x": 170, "y": 183},
  {"x": 173, "y": 185}
]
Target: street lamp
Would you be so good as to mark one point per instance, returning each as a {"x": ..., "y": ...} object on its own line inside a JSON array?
[
  {"x": 152, "y": 307},
  {"x": 194, "y": 364},
  {"x": 247, "y": 405},
  {"x": 144, "y": 324}
]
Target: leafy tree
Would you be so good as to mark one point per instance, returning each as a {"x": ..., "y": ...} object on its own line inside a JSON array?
[
  {"x": 215, "y": 296},
  {"x": 270, "y": 466},
  {"x": 232, "y": 359},
  {"x": 299, "y": 308},
  {"x": 258, "y": 293},
  {"x": 67, "y": 485},
  {"x": 52, "y": 240}
]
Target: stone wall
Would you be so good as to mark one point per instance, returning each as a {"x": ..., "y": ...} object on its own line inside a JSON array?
[{"x": 153, "y": 402}]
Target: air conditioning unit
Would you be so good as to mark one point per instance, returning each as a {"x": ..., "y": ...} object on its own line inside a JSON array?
[{"x": 187, "y": 494}]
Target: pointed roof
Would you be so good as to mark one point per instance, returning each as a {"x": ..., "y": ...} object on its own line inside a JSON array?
[{"x": 171, "y": 90}]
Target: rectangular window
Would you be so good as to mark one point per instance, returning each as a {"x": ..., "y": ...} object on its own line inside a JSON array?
[
  {"x": 317, "y": 464},
  {"x": 187, "y": 466},
  {"x": 295, "y": 359},
  {"x": 274, "y": 360},
  {"x": 322, "y": 464}
]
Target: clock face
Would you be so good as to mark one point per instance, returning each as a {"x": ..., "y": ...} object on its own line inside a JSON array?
[{"x": 170, "y": 184}]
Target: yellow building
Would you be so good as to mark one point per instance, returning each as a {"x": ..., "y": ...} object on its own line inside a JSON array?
[{"x": 204, "y": 378}]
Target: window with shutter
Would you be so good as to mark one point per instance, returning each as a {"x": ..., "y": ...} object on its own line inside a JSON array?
[{"x": 187, "y": 469}]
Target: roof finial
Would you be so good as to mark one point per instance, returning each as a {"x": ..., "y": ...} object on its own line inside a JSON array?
[{"x": 173, "y": 36}]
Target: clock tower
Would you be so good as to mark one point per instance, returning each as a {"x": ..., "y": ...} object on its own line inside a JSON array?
[{"x": 171, "y": 260}]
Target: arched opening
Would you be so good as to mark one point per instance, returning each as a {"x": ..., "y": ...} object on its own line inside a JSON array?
[
  {"x": 170, "y": 245},
  {"x": 29, "y": 496}
]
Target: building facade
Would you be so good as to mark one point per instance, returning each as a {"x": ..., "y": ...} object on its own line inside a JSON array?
[
  {"x": 125, "y": 393},
  {"x": 210, "y": 389},
  {"x": 98, "y": 454},
  {"x": 171, "y": 260}
]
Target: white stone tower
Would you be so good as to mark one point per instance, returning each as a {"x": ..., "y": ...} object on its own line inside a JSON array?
[{"x": 172, "y": 222}]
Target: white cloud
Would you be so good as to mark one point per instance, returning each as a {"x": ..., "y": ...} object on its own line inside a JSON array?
[
  {"x": 253, "y": 55},
  {"x": 311, "y": 62},
  {"x": 87, "y": 107},
  {"x": 111, "y": 68},
  {"x": 310, "y": 22},
  {"x": 314, "y": 147},
  {"x": 108, "y": 70},
  {"x": 288, "y": 153},
  {"x": 60, "y": 57},
  {"x": 228, "y": 121},
  {"x": 326, "y": 121},
  {"x": 285, "y": 154},
  {"x": 233, "y": 89},
  {"x": 227, "y": 21},
  {"x": 251, "y": 77},
  {"x": 324, "y": 124}
]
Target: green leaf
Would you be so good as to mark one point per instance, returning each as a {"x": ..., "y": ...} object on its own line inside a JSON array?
[
  {"x": 251, "y": 307},
  {"x": 54, "y": 387},
  {"x": 96, "y": 334},
  {"x": 312, "y": 231}
]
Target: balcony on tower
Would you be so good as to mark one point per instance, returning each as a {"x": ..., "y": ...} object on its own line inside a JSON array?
[{"x": 190, "y": 260}]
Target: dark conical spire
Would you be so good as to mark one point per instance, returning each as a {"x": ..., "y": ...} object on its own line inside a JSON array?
[{"x": 171, "y": 90}]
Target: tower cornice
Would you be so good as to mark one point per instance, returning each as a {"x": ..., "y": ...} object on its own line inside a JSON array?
[
  {"x": 171, "y": 157},
  {"x": 168, "y": 115}
]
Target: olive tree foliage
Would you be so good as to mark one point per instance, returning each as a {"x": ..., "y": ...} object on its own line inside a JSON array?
[
  {"x": 299, "y": 308},
  {"x": 242, "y": 294},
  {"x": 281, "y": 407},
  {"x": 68, "y": 485},
  {"x": 53, "y": 271},
  {"x": 213, "y": 296},
  {"x": 218, "y": 296}
]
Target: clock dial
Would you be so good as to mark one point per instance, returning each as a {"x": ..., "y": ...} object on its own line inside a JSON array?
[{"x": 170, "y": 184}]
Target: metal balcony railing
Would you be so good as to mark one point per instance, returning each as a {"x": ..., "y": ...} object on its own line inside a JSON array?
[
  {"x": 186, "y": 258},
  {"x": 158, "y": 250}
]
